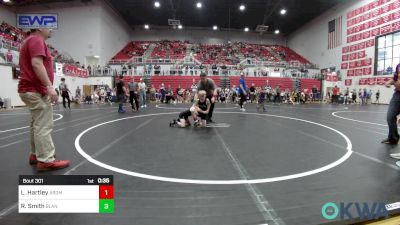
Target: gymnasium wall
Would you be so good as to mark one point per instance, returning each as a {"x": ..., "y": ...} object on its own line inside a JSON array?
[
  {"x": 311, "y": 41},
  {"x": 85, "y": 29},
  {"x": 7, "y": 15},
  {"x": 205, "y": 36},
  {"x": 9, "y": 86}
]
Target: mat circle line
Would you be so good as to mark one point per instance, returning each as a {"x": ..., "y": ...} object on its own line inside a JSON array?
[{"x": 214, "y": 182}]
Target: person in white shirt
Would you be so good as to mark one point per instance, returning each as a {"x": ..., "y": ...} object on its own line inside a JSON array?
[{"x": 142, "y": 91}]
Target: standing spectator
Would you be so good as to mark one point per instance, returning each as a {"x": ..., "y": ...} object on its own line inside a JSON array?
[
  {"x": 364, "y": 96},
  {"x": 354, "y": 96},
  {"x": 234, "y": 93},
  {"x": 108, "y": 94},
  {"x": 369, "y": 97},
  {"x": 65, "y": 93},
  {"x": 277, "y": 95},
  {"x": 335, "y": 95},
  {"x": 208, "y": 85},
  {"x": 37, "y": 92},
  {"x": 346, "y": 96},
  {"x": 78, "y": 95},
  {"x": 162, "y": 92},
  {"x": 133, "y": 94},
  {"x": 121, "y": 93},
  {"x": 142, "y": 92},
  {"x": 314, "y": 93},
  {"x": 242, "y": 92},
  {"x": 252, "y": 93},
  {"x": 377, "y": 96},
  {"x": 9, "y": 57},
  {"x": 1, "y": 103},
  {"x": 393, "y": 112}
]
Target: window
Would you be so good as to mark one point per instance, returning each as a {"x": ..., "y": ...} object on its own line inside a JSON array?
[{"x": 387, "y": 53}]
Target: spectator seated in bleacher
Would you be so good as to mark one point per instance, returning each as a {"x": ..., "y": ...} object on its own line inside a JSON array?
[
  {"x": 88, "y": 99},
  {"x": 169, "y": 95}
]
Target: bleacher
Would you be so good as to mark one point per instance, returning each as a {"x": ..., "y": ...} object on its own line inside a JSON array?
[
  {"x": 308, "y": 83},
  {"x": 209, "y": 54},
  {"x": 259, "y": 52},
  {"x": 289, "y": 55},
  {"x": 134, "y": 48},
  {"x": 169, "y": 50}
]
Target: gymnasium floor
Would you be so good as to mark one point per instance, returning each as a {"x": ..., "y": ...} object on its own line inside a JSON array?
[{"x": 278, "y": 167}]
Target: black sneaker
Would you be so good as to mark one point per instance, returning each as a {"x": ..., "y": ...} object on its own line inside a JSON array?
[
  {"x": 210, "y": 121},
  {"x": 173, "y": 122},
  {"x": 389, "y": 142}
]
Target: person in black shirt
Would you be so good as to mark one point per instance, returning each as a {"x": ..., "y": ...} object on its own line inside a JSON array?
[
  {"x": 314, "y": 93},
  {"x": 252, "y": 93},
  {"x": 121, "y": 93},
  {"x": 208, "y": 85},
  {"x": 65, "y": 93},
  {"x": 377, "y": 96},
  {"x": 199, "y": 111}
]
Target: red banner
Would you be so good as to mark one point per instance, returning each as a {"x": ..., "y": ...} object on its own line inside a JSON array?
[
  {"x": 348, "y": 82},
  {"x": 359, "y": 72},
  {"x": 396, "y": 15},
  {"x": 375, "y": 32},
  {"x": 332, "y": 78},
  {"x": 367, "y": 71},
  {"x": 382, "y": 80},
  {"x": 396, "y": 26},
  {"x": 73, "y": 71},
  {"x": 386, "y": 29},
  {"x": 370, "y": 43},
  {"x": 372, "y": 81},
  {"x": 363, "y": 81},
  {"x": 367, "y": 62},
  {"x": 366, "y": 34},
  {"x": 350, "y": 73},
  {"x": 344, "y": 66},
  {"x": 396, "y": 5}
]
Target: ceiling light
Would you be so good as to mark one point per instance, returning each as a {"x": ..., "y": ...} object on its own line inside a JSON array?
[
  {"x": 277, "y": 31},
  {"x": 6, "y": 1},
  {"x": 146, "y": 26},
  {"x": 246, "y": 29},
  {"x": 157, "y": 4},
  {"x": 96, "y": 56},
  {"x": 242, "y": 7},
  {"x": 180, "y": 27},
  {"x": 199, "y": 5},
  {"x": 283, "y": 11},
  {"x": 215, "y": 27}
]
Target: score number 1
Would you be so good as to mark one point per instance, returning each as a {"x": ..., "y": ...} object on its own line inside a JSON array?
[{"x": 106, "y": 199}]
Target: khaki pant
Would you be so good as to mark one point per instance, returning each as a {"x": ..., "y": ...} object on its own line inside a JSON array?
[{"x": 41, "y": 125}]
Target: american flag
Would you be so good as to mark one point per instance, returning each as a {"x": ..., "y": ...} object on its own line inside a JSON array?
[{"x": 335, "y": 33}]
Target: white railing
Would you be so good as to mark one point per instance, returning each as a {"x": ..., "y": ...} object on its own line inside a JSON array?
[
  {"x": 8, "y": 44},
  {"x": 256, "y": 62}
]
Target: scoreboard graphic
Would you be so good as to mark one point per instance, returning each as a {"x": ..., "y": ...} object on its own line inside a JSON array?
[{"x": 66, "y": 194}]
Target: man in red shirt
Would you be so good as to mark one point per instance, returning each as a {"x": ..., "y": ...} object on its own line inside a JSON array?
[
  {"x": 335, "y": 92},
  {"x": 36, "y": 90},
  {"x": 9, "y": 57}
]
